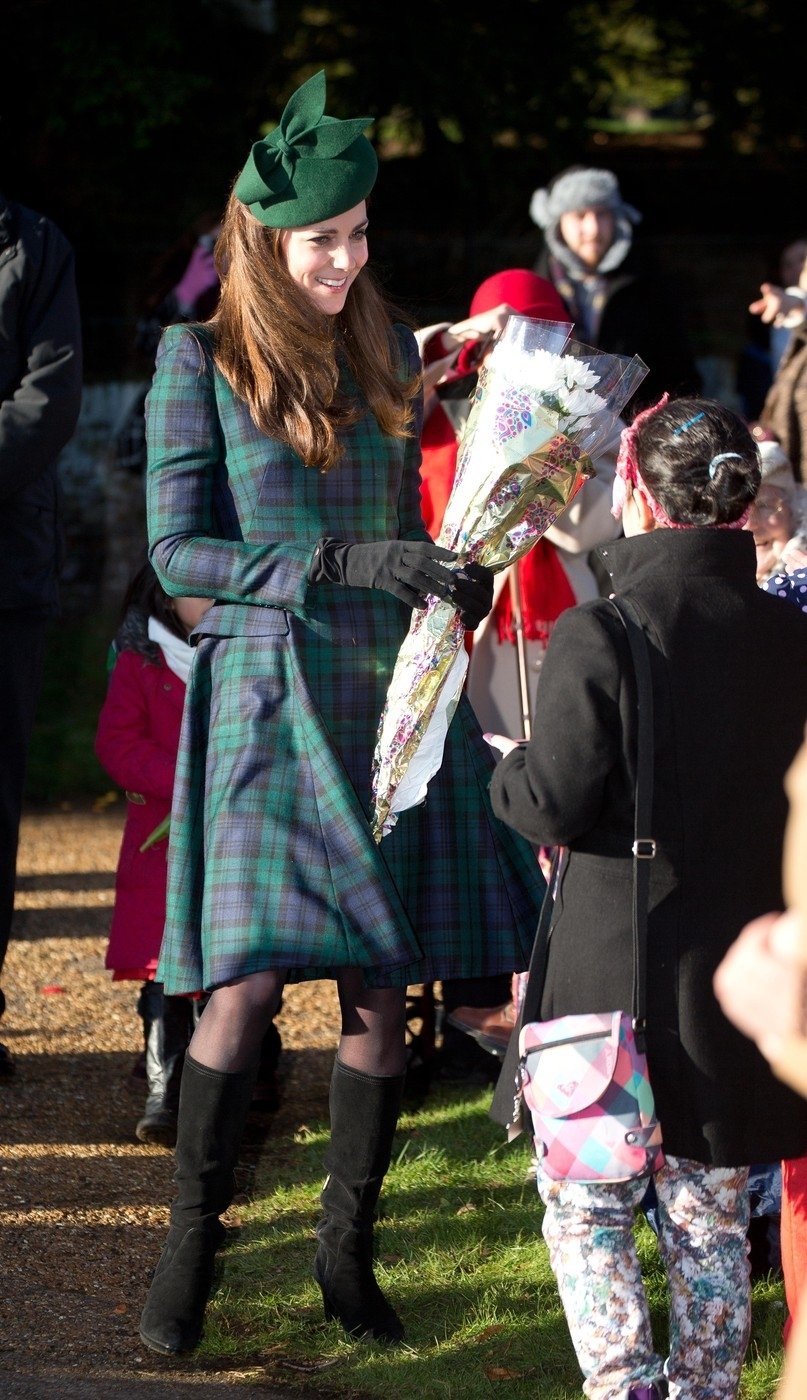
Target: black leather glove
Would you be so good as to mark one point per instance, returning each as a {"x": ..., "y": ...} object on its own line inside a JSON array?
[
  {"x": 473, "y": 594},
  {"x": 409, "y": 569}
]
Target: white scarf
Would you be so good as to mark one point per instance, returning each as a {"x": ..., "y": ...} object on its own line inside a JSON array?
[{"x": 178, "y": 654}]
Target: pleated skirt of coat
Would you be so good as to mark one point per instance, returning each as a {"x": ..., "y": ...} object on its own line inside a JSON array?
[{"x": 272, "y": 863}]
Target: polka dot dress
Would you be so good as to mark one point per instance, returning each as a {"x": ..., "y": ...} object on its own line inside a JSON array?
[{"x": 791, "y": 585}]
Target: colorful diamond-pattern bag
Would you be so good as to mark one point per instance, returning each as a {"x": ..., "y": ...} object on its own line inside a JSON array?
[
  {"x": 585, "y": 1083},
  {"x": 583, "y": 1079}
]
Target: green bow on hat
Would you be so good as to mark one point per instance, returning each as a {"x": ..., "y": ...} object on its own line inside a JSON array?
[{"x": 311, "y": 167}]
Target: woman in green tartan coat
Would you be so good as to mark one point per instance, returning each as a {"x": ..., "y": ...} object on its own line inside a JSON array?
[{"x": 283, "y": 481}]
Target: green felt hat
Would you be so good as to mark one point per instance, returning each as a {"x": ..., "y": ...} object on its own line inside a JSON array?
[{"x": 311, "y": 167}]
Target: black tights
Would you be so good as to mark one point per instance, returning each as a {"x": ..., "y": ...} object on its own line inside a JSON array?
[{"x": 231, "y": 1029}]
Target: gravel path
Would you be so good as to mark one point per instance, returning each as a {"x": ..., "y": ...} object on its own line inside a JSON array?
[{"x": 83, "y": 1204}]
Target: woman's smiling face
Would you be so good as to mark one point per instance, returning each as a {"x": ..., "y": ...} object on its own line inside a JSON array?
[
  {"x": 771, "y": 522},
  {"x": 325, "y": 258}
]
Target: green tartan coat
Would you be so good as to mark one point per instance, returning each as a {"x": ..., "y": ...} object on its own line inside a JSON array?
[{"x": 272, "y": 863}]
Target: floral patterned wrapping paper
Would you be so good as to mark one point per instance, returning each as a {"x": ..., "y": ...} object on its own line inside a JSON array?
[{"x": 542, "y": 406}]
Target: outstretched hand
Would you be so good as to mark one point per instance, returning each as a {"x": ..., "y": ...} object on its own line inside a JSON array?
[{"x": 775, "y": 306}]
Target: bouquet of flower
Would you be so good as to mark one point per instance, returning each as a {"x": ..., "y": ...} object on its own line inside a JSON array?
[{"x": 543, "y": 404}]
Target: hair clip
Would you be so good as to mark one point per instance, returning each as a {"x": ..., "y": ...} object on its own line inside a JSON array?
[
  {"x": 722, "y": 457},
  {"x": 682, "y": 427}
]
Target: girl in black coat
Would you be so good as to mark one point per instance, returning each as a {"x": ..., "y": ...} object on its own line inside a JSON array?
[{"x": 687, "y": 473}]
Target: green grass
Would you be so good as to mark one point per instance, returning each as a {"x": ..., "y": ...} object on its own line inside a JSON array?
[
  {"x": 459, "y": 1244},
  {"x": 459, "y": 1250}
]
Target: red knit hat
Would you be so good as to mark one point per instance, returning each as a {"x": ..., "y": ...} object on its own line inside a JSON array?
[{"x": 528, "y": 294}]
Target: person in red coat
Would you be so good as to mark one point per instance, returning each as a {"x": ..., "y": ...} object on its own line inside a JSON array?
[
  {"x": 553, "y": 576},
  {"x": 136, "y": 741}
]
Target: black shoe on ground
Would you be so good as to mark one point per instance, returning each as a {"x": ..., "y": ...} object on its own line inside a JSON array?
[{"x": 460, "y": 1060}]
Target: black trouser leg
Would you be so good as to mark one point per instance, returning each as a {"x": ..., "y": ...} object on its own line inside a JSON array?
[{"x": 22, "y": 648}]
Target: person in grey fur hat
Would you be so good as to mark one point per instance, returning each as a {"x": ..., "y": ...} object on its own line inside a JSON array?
[{"x": 618, "y": 301}]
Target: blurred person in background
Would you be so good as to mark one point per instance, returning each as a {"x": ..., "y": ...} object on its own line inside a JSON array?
[
  {"x": 40, "y": 399},
  {"x": 768, "y": 328},
  {"x": 784, "y": 410},
  {"x": 618, "y": 299},
  {"x": 507, "y": 648},
  {"x": 136, "y": 742},
  {"x": 778, "y": 516},
  {"x": 182, "y": 286}
]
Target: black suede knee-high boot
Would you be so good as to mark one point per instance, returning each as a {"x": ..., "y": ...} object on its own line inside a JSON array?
[
  {"x": 364, "y": 1113},
  {"x": 213, "y": 1107}
]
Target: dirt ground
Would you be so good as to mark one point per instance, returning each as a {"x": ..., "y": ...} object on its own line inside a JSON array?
[{"x": 83, "y": 1204}]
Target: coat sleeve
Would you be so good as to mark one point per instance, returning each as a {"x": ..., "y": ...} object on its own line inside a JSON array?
[
  {"x": 552, "y": 790},
  {"x": 39, "y": 415},
  {"x": 124, "y": 742},
  {"x": 185, "y": 452}
]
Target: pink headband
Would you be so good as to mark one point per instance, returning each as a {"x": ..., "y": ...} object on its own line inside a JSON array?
[
  {"x": 627, "y": 471},
  {"x": 627, "y": 468}
]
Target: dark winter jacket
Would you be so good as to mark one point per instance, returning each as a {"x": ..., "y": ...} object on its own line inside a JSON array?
[
  {"x": 640, "y": 317},
  {"x": 40, "y": 397},
  {"x": 729, "y": 664}
]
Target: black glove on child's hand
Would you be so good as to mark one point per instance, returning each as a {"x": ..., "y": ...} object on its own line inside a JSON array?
[
  {"x": 473, "y": 594},
  {"x": 409, "y": 569}
]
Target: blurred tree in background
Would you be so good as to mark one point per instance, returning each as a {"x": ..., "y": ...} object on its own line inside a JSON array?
[{"x": 125, "y": 122}]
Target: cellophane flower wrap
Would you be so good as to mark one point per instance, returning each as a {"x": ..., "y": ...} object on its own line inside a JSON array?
[{"x": 543, "y": 405}]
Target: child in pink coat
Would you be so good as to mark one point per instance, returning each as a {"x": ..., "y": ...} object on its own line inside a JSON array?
[{"x": 136, "y": 742}]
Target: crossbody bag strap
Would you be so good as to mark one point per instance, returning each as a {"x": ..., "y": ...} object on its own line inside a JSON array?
[
  {"x": 644, "y": 847},
  {"x": 536, "y": 973},
  {"x": 506, "y": 1107}
]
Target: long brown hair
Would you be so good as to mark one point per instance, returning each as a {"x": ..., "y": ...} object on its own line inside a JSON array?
[{"x": 281, "y": 355}]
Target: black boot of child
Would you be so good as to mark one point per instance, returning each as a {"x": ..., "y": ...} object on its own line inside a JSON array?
[{"x": 167, "y": 1029}]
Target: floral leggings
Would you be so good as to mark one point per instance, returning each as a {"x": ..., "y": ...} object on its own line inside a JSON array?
[{"x": 703, "y": 1223}]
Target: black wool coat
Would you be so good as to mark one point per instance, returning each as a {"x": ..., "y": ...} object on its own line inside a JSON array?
[
  {"x": 729, "y": 668},
  {"x": 40, "y": 399}
]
